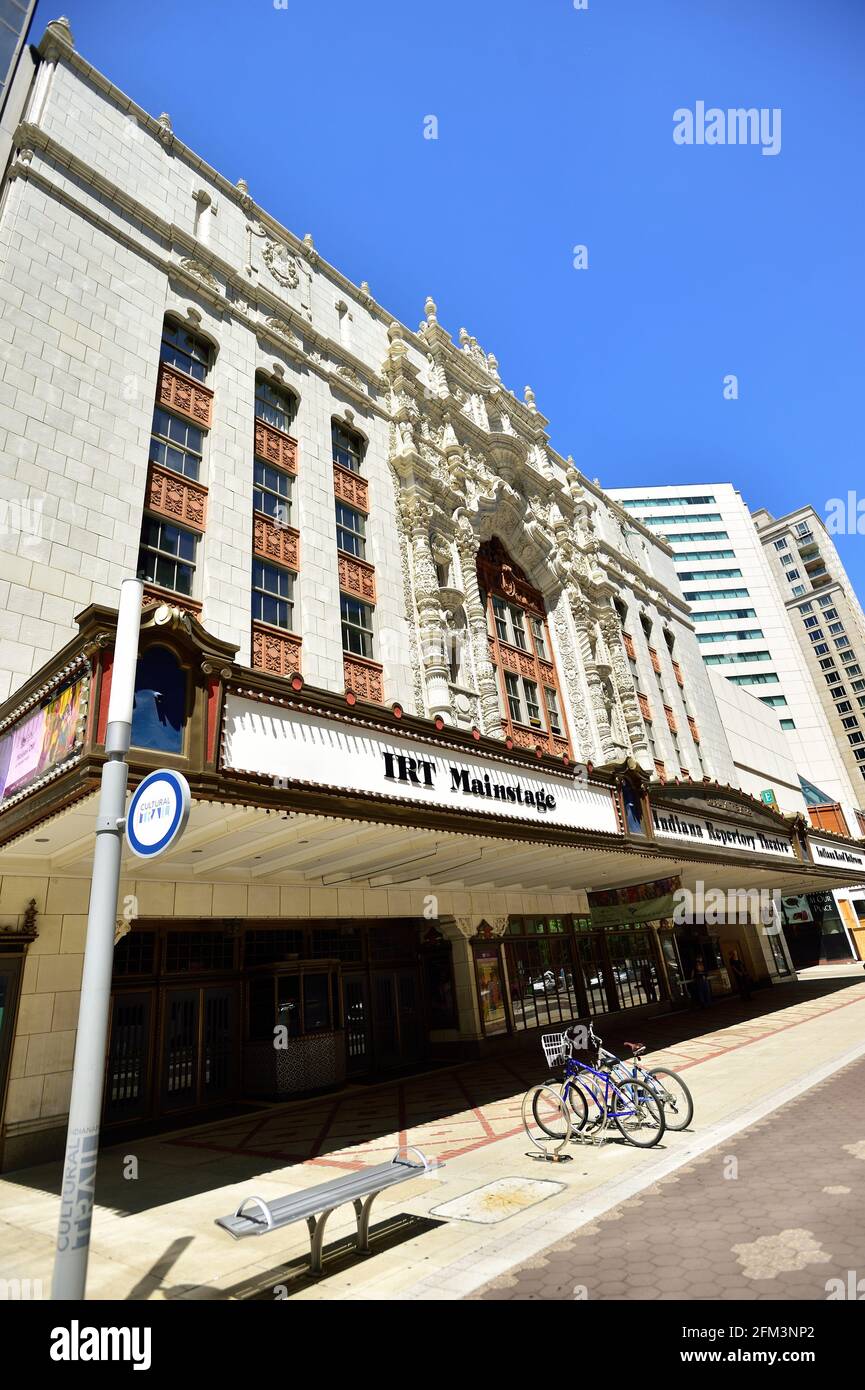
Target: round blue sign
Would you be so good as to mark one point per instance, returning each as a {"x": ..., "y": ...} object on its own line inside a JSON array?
[{"x": 158, "y": 813}]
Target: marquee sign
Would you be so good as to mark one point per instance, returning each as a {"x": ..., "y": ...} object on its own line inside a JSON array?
[
  {"x": 292, "y": 747},
  {"x": 715, "y": 834},
  {"x": 836, "y": 856}
]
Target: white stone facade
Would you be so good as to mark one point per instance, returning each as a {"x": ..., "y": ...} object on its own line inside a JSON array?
[{"x": 108, "y": 224}]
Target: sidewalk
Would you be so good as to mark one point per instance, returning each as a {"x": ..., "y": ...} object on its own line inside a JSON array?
[{"x": 154, "y": 1237}]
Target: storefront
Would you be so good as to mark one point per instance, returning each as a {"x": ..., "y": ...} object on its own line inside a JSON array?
[{"x": 357, "y": 893}]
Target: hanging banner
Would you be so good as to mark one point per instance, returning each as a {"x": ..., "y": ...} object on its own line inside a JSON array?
[
  {"x": 641, "y": 902},
  {"x": 41, "y": 741}
]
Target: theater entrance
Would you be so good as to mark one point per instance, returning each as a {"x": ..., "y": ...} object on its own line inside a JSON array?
[{"x": 197, "y": 1011}]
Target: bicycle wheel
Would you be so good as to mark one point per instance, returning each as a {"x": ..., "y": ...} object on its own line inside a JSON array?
[
  {"x": 550, "y": 1112},
  {"x": 588, "y": 1095},
  {"x": 677, "y": 1099},
  {"x": 638, "y": 1114},
  {"x": 575, "y": 1099}
]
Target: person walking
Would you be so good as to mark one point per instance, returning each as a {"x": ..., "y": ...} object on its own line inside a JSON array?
[{"x": 741, "y": 977}]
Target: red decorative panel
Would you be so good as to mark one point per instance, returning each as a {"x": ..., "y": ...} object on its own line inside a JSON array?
[
  {"x": 189, "y": 605},
  {"x": 548, "y": 673},
  {"x": 273, "y": 651},
  {"x": 561, "y": 745},
  {"x": 275, "y": 447},
  {"x": 677, "y": 672},
  {"x": 356, "y": 577},
  {"x": 695, "y": 732},
  {"x": 629, "y": 646},
  {"x": 514, "y": 659},
  {"x": 645, "y": 707},
  {"x": 656, "y": 665},
  {"x": 171, "y": 495},
  {"x": 350, "y": 488},
  {"x": 273, "y": 542},
  {"x": 671, "y": 719},
  {"x": 364, "y": 678},
  {"x": 661, "y": 770},
  {"x": 180, "y": 393}
]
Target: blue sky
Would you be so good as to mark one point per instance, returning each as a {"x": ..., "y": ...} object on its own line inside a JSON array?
[{"x": 555, "y": 130}]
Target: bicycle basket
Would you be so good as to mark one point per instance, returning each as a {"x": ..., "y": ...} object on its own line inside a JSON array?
[{"x": 554, "y": 1048}]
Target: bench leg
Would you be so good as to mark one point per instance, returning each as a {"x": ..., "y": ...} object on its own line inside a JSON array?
[
  {"x": 316, "y": 1240},
  {"x": 362, "y": 1210}
]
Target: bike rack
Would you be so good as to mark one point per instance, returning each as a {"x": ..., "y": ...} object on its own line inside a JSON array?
[{"x": 556, "y": 1156}]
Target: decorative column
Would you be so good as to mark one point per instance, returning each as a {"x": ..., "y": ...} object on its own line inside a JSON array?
[
  {"x": 416, "y": 518},
  {"x": 476, "y": 617},
  {"x": 624, "y": 685}
]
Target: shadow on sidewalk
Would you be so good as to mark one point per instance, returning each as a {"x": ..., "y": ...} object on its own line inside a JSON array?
[{"x": 174, "y": 1167}]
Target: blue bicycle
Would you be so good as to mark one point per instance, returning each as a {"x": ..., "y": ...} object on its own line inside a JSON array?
[{"x": 593, "y": 1096}]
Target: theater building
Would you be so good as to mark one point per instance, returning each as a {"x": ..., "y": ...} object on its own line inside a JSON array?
[{"x": 452, "y": 746}]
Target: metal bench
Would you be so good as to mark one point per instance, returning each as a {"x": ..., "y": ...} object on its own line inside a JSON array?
[{"x": 315, "y": 1204}]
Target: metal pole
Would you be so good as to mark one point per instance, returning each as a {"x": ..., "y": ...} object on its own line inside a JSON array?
[{"x": 88, "y": 1074}]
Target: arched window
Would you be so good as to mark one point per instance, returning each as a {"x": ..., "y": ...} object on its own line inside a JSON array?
[
  {"x": 521, "y": 653},
  {"x": 275, "y": 405},
  {"x": 185, "y": 351},
  {"x": 159, "y": 711}
]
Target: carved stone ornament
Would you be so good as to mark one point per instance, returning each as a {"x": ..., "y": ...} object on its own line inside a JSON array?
[
  {"x": 281, "y": 264},
  {"x": 200, "y": 272}
]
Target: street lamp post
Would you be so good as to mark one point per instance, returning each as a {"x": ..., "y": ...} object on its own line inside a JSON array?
[{"x": 85, "y": 1106}]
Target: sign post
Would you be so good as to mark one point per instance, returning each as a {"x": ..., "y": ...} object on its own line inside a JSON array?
[{"x": 85, "y": 1106}]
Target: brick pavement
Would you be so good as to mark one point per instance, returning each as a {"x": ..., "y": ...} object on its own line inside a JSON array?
[
  {"x": 774, "y": 1213},
  {"x": 459, "y": 1110}
]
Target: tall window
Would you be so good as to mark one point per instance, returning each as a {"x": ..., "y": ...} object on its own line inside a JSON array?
[
  {"x": 271, "y": 492},
  {"x": 182, "y": 350},
  {"x": 167, "y": 555},
  {"x": 176, "y": 444},
  {"x": 274, "y": 405},
  {"x": 356, "y": 626},
  {"x": 348, "y": 447},
  {"x": 272, "y": 594},
  {"x": 350, "y": 530},
  {"x": 521, "y": 652}
]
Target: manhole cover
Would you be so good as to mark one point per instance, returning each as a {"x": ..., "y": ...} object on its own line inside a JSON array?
[{"x": 498, "y": 1200}]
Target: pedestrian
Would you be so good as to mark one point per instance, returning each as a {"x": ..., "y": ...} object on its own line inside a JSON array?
[
  {"x": 741, "y": 977},
  {"x": 702, "y": 988}
]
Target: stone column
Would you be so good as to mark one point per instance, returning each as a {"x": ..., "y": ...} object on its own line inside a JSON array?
[
  {"x": 416, "y": 516},
  {"x": 485, "y": 676}
]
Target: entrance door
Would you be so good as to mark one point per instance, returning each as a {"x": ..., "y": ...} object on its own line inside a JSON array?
[
  {"x": 396, "y": 1020},
  {"x": 355, "y": 994},
  {"x": 199, "y": 1046},
  {"x": 180, "y": 1051},
  {"x": 127, "y": 1079}
]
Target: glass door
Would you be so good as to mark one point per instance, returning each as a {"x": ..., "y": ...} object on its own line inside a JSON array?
[
  {"x": 396, "y": 1018},
  {"x": 127, "y": 1081},
  {"x": 219, "y": 1043},
  {"x": 355, "y": 994},
  {"x": 180, "y": 1048}
]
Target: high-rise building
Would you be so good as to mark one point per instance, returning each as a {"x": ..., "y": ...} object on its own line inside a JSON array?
[
  {"x": 828, "y": 623},
  {"x": 744, "y": 624}
]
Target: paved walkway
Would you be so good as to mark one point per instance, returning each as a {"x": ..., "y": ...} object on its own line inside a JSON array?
[
  {"x": 775, "y": 1213},
  {"x": 449, "y": 1113},
  {"x": 491, "y": 1207}
]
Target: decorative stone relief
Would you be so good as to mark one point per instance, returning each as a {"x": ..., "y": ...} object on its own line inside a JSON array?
[{"x": 281, "y": 263}]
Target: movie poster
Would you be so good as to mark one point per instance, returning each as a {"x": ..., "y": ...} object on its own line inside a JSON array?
[{"x": 491, "y": 991}]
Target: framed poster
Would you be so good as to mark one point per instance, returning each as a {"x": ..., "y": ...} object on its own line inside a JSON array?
[{"x": 491, "y": 989}]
